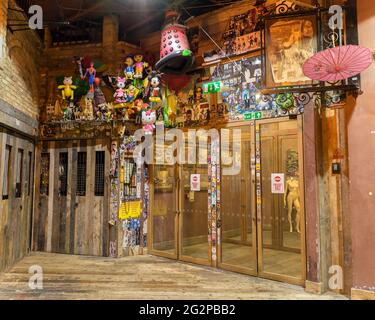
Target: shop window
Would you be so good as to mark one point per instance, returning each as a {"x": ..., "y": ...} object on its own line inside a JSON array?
[
  {"x": 44, "y": 174},
  {"x": 63, "y": 174},
  {"x": 30, "y": 173},
  {"x": 6, "y": 176},
  {"x": 99, "y": 173},
  {"x": 81, "y": 173},
  {"x": 19, "y": 173}
]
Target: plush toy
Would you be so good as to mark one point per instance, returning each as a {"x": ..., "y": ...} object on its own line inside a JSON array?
[
  {"x": 148, "y": 120},
  {"x": 140, "y": 65},
  {"x": 129, "y": 70},
  {"x": 154, "y": 87},
  {"x": 139, "y": 108},
  {"x": 91, "y": 74},
  {"x": 120, "y": 93},
  {"x": 67, "y": 89}
]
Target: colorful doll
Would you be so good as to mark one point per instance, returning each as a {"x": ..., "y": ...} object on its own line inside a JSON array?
[
  {"x": 120, "y": 93},
  {"x": 140, "y": 65},
  {"x": 148, "y": 120},
  {"x": 154, "y": 90},
  {"x": 67, "y": 89},
  {"x": 129, "y": 70},
  {"x": 91, "y": 74},
  {"x": 139, "y": 107},
  {"x": 132, "y": 94}
]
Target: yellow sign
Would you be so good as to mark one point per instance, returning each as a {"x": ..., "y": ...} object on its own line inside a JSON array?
[{"x": 130, "y": 210}]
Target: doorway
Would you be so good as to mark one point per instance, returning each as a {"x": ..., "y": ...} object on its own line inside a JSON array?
[
  {"x": 262, "y": 216},
  {"x": 179, "y": 220}
]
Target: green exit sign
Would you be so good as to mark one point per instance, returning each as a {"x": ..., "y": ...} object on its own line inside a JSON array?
[
  {"x": 253, "y": 116},
  {"x": 212, "y": 87}
]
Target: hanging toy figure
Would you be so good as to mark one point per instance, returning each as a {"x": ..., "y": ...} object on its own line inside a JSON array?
[
  {"x": 129, "y": 70},
  {"x": 132, "y": 93},
  {"x": 91, "y": 74},
  {"x": 67, "y": 89},
  {"x": 148, "y": 120},
  {"x": 120, "y": 93},
  {"x": 154, "y": 87},
  {"x": 139, "y": 107},
  {"x": 140, "y": 65}
]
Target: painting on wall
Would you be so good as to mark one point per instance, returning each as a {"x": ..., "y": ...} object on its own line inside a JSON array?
[{"x": 289, "y": 43}]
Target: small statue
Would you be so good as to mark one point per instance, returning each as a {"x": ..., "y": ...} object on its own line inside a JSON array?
[
  {"x": 154, "y": 87},
  {"x": 129, "y": 70},
  {"x": 140, "y": 65},
  {"x": 91, "y": 73},
  {"x": 99, "y": 97},
  {"x": 67, "y": 89},
  {"x": 120, "y": 93},
  {"x": 148, "y": 120},
  {"x": 132, "y": 93}
]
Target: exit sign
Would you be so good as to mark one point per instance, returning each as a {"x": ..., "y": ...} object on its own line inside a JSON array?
[
  {"x": 253, "y": 116},
  {"x": 212, "y": 87}
]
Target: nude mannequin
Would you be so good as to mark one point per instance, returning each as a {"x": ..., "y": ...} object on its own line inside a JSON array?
[{"x": 292, "y": 198}]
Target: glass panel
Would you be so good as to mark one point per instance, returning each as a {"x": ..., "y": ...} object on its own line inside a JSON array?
[
  {"x": 164, "y": 209},
  {"x": 63, "y": 174},
  {"x": 81, "y": 174},
  {"x": 99, "y": 173},
  {"x": 19, "y": 173},
  {"x": 281, "y": 238},
  {"x": 195, "y": 209},
  {"x": 236, "y": 210}
]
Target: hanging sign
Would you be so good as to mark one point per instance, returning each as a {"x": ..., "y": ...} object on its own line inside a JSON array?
[
  {"x": 212, "y": 87},
  {"x": 195, "y": 182},
  {"x": 253, "y": 116},
  {"x": 277, "y": 183},
  {"x": 130, "y": 210}
]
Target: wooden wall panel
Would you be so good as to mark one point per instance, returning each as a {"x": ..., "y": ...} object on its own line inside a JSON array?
[
  {"x": 74, "y": 224},
  {"x": 15, "y": 211}
]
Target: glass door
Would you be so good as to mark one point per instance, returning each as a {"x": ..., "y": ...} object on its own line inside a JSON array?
[
  {"x": 194, "y": 245},
  {"x": 237, "y": 251},
  {"x": 164, "y": 211},
  {"x": 280, "y": 206}
]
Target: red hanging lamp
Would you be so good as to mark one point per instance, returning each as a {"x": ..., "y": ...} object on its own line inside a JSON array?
[{"x": 175, "y": 54}]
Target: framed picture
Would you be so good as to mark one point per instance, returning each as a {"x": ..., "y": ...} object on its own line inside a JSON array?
[{"x": 289, "y": 43}]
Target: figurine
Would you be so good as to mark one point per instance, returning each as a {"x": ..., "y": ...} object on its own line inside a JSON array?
[
  {"x": 67, "y": 89},
  {"x": 131, "y": 94},
  {"x": 120, "y": 93},
  {"x": 129, "y": 70},
  {"x": 140, "y": 65},
  {"x": 154, "y": 87},
  {"x": 148, "y": 120},
  {"x": 99, "y": 97},
  {"x": 139, "y": 107},
  {"x": 91, "y": 73}
]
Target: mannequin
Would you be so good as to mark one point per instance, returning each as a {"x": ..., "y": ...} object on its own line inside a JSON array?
[{"x": 292, "y": 198}]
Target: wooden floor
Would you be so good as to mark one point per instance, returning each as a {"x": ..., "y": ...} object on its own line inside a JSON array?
[{"x": 142, "y": 277}]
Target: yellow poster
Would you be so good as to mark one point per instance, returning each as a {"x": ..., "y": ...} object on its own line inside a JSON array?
[{"x": 130, "y": 210}]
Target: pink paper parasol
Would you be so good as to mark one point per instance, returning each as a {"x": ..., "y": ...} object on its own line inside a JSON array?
[{"x": 338, "y": 63}]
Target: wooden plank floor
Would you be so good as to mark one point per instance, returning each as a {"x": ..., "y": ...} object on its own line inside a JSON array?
[{"x": 142, "y": 277}]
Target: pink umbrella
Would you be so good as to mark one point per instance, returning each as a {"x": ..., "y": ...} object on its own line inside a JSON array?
[{"x": 338, "y": 63}]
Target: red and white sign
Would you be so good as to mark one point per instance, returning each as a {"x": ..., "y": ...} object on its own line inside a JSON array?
[
  {"x": 278, "y": 183},
  {"x": 195, "y": 182}
]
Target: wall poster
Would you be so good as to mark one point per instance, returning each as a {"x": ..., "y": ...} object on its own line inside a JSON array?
[{"x": 289, "y": 43}]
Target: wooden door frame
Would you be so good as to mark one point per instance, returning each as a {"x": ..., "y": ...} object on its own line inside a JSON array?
[{"x": 261, "y": 272}]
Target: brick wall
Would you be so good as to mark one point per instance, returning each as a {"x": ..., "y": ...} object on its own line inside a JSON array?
[{"x": 19, "y": 65}]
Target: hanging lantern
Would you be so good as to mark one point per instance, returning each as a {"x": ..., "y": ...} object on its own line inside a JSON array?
[{"x": 175, "y": 54}]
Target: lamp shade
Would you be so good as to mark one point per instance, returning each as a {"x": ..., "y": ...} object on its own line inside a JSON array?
[{"x": 175, "y": 54}]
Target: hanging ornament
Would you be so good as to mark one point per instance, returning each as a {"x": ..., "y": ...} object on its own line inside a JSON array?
[{"x": 175, "y": 54}]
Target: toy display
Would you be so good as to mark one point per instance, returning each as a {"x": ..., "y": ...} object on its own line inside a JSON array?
[
  {"x": 140, "y": 66},
  {"x": 129, "y": 70},
  {"x": 91, "y": 74},
  {"x": 67, "y": 89},
  {"x": 154, "y": 87},
  {"x": 175, "y": 54},
  {"x": 148, "y": 120}
]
